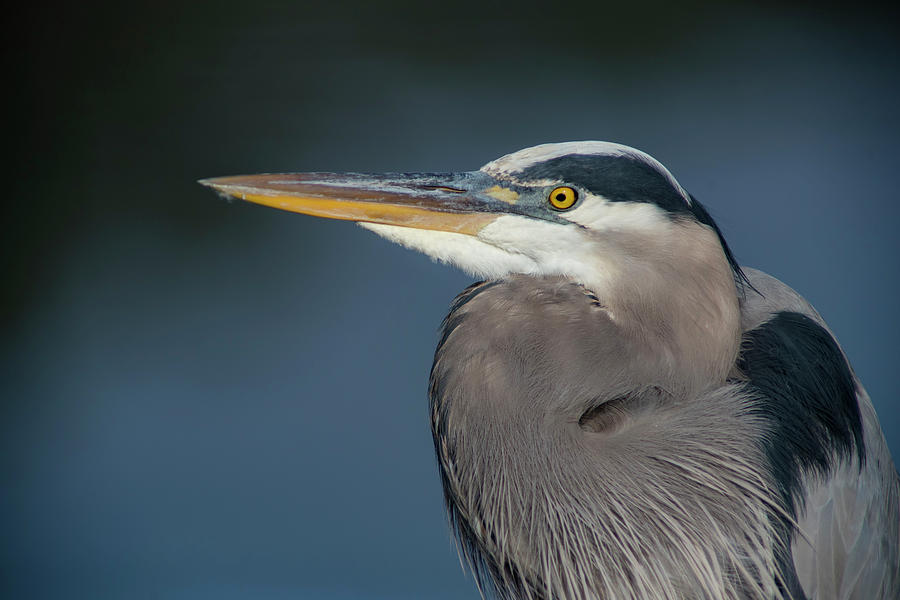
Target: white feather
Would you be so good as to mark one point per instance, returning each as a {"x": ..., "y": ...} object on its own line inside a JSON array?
[
  {"x": 466, "y": 252},
  {"x": 600, "y": 215}
]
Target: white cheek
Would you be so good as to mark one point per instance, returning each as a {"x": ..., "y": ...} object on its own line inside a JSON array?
[
  {"x": 517, "y": 244},
  {"x": 554, "y": 249},
  {"x": 601, "y": 215},
  {"x": 465, "y": 252}
]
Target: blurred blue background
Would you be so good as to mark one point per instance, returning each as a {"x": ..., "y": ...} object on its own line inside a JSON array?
[{"x": 203, "y": 399}]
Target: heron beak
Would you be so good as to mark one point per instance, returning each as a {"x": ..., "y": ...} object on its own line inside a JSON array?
[{"x": 455, "y": 202}]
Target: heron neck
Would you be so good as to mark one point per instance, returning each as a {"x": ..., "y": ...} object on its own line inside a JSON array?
[{"x": 674, "y": 298}]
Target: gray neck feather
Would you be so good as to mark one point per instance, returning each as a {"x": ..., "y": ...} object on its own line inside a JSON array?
[{"x": 675, "y": 302}]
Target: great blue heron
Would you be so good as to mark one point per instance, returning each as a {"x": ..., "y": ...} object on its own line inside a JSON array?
[{"x": 619, "y": 410}]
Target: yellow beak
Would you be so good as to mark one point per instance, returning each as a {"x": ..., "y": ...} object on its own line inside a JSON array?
[{"x": 460, "y": 203}]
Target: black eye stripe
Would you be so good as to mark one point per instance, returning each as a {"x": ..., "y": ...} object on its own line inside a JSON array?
[{"x": 615, "y": 177}]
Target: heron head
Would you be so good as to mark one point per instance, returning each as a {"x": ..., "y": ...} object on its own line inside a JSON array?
[{"x": 595, "y": 212}]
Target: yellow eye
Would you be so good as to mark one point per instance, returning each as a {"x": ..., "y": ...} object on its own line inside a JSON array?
[{"x": 563, "y": 198}]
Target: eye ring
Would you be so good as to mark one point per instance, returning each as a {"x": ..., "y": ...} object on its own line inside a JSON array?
[{"x": 562, "y": 198}]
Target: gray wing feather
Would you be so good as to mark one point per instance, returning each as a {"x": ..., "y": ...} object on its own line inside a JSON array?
[
  {"x": 849, "y": 531},
  {"x": 848, "y": 546}
]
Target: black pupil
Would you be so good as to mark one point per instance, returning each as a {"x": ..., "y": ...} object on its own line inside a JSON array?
[{"x": 561, "y": 197}]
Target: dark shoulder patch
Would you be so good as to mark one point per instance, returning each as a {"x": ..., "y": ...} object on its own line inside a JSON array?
[
  {"x": 618, "y": 178},
  {"x": 808, "y": 396},
  {"x": 806, "y": 392}
]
